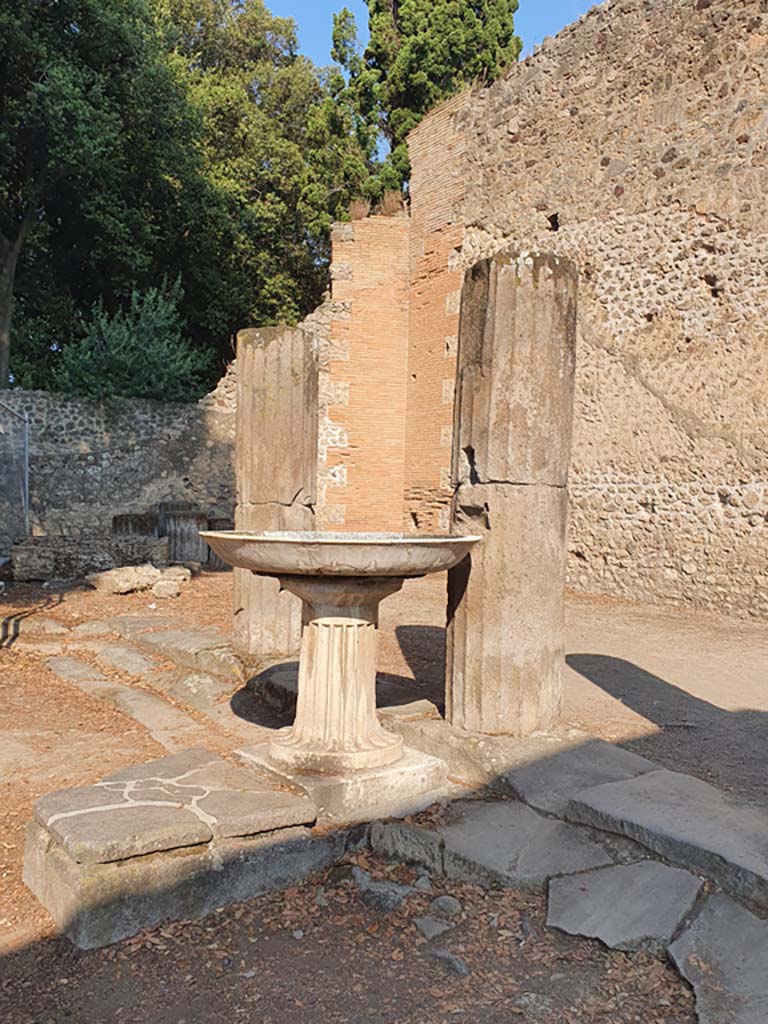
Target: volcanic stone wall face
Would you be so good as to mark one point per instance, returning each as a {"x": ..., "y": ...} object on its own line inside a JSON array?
[
  {"x": 363, "y": 371},
  {"x": 635, "y": 144},
  {"x": 90, "y": 461}
]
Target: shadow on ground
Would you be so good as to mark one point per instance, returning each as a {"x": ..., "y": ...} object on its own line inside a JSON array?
[{"x": 728, "y": 749}]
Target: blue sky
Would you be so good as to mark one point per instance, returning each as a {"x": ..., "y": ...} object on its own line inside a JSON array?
[{"x": 534, "y": 20}]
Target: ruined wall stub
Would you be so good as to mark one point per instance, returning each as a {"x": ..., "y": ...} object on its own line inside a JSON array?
[
  {"x": 512, "y": 448},
  {"x": 276, "y": 469}
]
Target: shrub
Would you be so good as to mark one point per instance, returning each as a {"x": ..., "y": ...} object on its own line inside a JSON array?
[{"x": 137, "y": 352}]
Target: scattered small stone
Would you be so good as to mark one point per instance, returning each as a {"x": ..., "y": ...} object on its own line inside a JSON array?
[
  {"x": 180, "y": 573},
  {"x": 321, "y": 899},
  {"x": 446, "y": 906},
  {"x": 452, "y": 962},
  {"x": 423, "y": 883},
  {"x": 297, "y": 933},
  {"x": 126, "y": 580},
  {"x": 430, "y": 927},
  {"x": 383, "y": 896},
  {"x": 166, "y": 588}
]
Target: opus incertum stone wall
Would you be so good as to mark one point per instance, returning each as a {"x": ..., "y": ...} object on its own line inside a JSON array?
[
  {"x": 91, "y": 461},
  {"x": 635, "y": 145}
]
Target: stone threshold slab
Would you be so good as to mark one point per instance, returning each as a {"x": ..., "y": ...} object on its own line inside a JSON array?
[
  {"x": 688, "y": 822},
  {"x": 181, "y": 800},
  {"x": 95, "y": 905}
]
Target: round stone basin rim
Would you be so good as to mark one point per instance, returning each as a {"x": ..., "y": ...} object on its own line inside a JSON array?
[{"x": 325, "y": 553}]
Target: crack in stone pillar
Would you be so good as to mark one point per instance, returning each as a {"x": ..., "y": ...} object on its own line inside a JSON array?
[
  {"x": 512, "y": 445},
  {"x": 336, "y": 729}
]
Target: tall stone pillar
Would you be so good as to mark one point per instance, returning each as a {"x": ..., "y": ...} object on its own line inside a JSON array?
[
  {"x": 276, "y": 470},
  {"x": 512, "y": 445}
]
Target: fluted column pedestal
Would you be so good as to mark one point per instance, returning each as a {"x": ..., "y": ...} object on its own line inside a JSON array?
[{"x": 336, "y": 730}]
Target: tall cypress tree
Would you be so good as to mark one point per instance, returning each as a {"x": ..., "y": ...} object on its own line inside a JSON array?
[{"x": 420, "y": 52}]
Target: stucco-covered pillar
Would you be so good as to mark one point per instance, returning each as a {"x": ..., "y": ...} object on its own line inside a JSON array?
[
  {"x": 276, "y": 470},
  {"x": 512, "y": 445}
]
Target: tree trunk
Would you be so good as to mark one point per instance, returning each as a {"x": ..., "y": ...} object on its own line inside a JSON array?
[{"x": 9, "y": 257}]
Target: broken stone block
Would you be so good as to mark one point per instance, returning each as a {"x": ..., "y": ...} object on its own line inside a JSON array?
[
  {"x": 199, "y": 690},
  {"x": 505, "y": 842},
  {"x": 408, "y": 843},
  {"x": 125, "y": 580},
  {"x": 166, "y": 588},
  {"x": 625, "y": 906},
  {"x": 724, "y": 956},
  {"x": 180, "y": 573}
]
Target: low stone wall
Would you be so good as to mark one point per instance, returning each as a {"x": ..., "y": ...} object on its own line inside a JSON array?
[{"x": 90, "y": 462}]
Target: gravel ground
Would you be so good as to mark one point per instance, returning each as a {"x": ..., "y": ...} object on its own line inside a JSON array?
[
  {"x": 684, "y": 689},
  {"x": 319, "y": 953}
]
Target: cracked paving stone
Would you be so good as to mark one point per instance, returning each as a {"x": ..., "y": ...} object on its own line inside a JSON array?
[
  {"x": 506, "y": 842},
  {"x": 724, "y": 956},
  {"x": 688, "y": 822},
  {"x": 624, "y": 906},
  {"x": 182, "y": 800}
]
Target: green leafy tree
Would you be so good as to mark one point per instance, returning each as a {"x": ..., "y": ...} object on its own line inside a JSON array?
[
  {"x": 265, "y": 155},
  {"x": 96, "y": 149},
  {"x": 419, "y": 53},
  {"x": 139, "y": 351}
]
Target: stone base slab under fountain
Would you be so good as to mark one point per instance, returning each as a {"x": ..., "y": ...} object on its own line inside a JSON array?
[{"x": 407, "y": 786}]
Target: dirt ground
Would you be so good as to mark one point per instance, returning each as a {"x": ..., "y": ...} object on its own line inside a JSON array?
[{"x": 687, "y": 690}]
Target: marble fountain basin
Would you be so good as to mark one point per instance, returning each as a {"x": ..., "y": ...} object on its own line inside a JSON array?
[
  {"x": 341, "y": 578},
  {"x": 284, "y": 553}
]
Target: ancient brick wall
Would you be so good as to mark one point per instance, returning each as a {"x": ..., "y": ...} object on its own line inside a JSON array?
[
  {"x": 635, "y": 144},
  {"x": 437, "y": 231},
  {"x": 363, "y": 378}
]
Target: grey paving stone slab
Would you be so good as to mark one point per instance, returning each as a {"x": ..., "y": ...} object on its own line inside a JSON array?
[
  {"x": 688, "y": 822},
  {"x": 724, "y": 955},
  {"x": 625, "y": 906},
  {"x": 506, "y": 842},
  {"x": 196, "y": 649},
  {"x": 174, "y": 802},
  {"x": 552, "y": 778},
  {"x": 98, "y": 904},
  {"x": 125, "y": 659},
  {"x": 49, "y": 647},
  {"x": 30, "y": 625},
  {"x": 94, "y": 627},
  {"x": 130, "y": 626},
  {"x": 199, "y": 690},
  {"x": 74, "y": 670}
]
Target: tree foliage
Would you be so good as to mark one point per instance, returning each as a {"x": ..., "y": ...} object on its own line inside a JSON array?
[
  {"x": 140, "y": 350},
  {"x": 143, "y": 139},
  {"x": 419, "y": 53}
]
